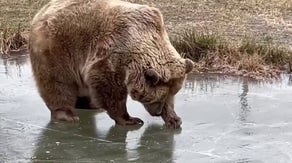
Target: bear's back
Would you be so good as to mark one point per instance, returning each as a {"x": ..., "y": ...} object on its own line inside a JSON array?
[{"x": 80, "y": 21}]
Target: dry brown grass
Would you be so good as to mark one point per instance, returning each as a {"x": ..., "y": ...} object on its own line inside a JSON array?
[
  {"x": 18, "y": 12},
  {"x": 214, "y": 54},
  {"x": 268, "y": 22},
  {"x": 231, "y": 19},
  {"x": 12, "y": 41},
  {"x": 15, "y": 16}
]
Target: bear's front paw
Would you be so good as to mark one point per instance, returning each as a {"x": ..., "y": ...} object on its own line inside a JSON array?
[
  {"x": 172, "y": 120},
  {"x": 64, "y": 115}
]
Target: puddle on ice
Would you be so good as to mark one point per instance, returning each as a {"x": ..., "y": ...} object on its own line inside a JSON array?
[{"x": 225, "y": 119}]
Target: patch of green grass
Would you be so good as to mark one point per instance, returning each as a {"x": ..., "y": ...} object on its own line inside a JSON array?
[
  {"x": 271, "y": 54},
  {"x": 195, "y": 45}
]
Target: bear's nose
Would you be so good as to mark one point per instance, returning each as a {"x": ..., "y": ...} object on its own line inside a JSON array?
[{"x": 135, "y": 95}]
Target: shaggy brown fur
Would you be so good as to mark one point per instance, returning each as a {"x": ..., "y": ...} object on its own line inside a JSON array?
[{"x": 105, "y": 49}]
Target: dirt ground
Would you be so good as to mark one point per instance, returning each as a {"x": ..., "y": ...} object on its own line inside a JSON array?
[
  {"x": 18, "y": 12},
  {"x": 268, "y": 20}
]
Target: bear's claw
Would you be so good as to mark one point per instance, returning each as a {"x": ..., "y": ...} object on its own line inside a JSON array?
[
  {"x": 134, "y": 121},
  {"x": 171, "y": 119},
  {"x": 64, "y": 115},
  {"x": 130, "y": 122},
  {"x": 173, "y": 122}
]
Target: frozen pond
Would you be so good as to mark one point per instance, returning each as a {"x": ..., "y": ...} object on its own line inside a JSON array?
[{"x": 225, "y": 119}]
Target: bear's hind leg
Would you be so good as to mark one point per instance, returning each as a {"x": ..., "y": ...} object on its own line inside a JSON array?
[{"x": 60, "y": 98}]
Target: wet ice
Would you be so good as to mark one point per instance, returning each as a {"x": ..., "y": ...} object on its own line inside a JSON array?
[{"x": 225, "y": 119}]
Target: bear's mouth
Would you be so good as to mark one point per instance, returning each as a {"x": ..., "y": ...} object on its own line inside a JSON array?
[{"x": 154, "y": 109}]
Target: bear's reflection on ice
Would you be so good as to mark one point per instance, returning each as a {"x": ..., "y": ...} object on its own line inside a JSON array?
[{"x": 86, "y": 142}]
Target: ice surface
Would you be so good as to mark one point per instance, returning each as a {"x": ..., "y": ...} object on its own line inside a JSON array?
[{"x": 225, "y": 119}]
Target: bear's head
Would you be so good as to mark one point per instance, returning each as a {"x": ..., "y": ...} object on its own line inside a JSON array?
[
  {"x": 156, "y": 88},
  {"x": 157, "y": 72}
]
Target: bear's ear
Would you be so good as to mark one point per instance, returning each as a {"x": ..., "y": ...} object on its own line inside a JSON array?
[
  {"x": 158, "y": 18},
  {"x": 151, "y": 76},
  {"x": 189, "y": 65}
]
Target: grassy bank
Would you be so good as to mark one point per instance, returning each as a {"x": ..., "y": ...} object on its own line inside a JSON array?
[
  {"x": 212, "y": 53},
  {"x": 227, "y": 51}
]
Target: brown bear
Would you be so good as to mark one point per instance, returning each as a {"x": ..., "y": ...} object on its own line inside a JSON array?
[{"x": 105, "y": 50}]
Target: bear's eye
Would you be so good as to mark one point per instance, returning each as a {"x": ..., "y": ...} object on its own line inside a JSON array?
[
  {"x": 162, "y": 84},
  {"x": 147, "y": 100},
  {"x": 151, "y": 77}
]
